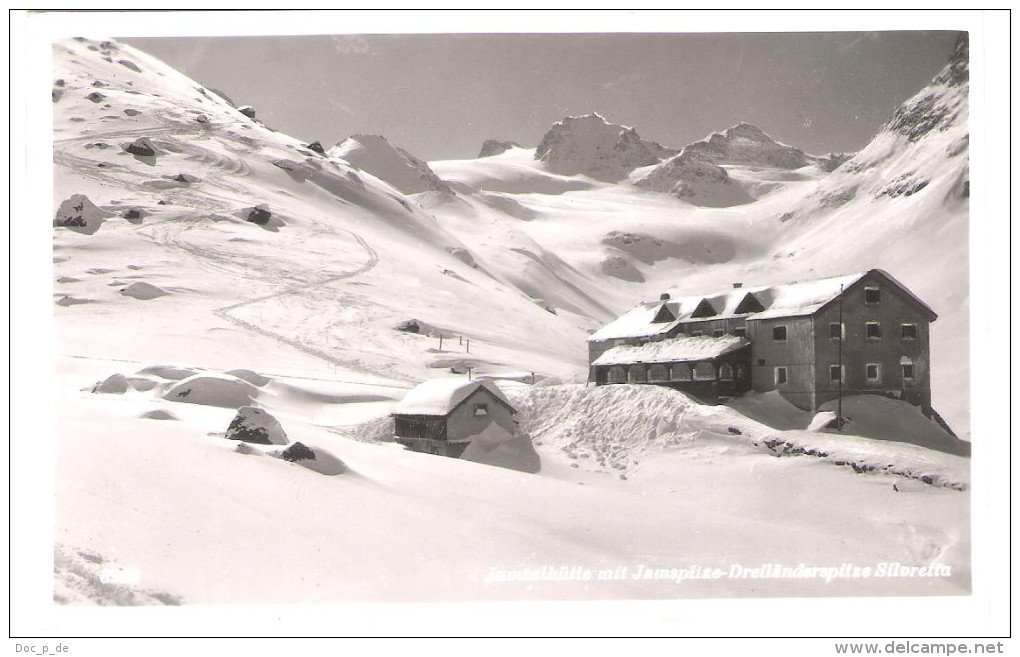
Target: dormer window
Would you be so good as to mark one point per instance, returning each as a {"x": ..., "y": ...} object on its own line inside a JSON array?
[
  {"x": 704, "y": 309},
  {"x": 481, "y": 409},
  {"x": 749, "y": 304},
  {"x": 664, "y": 316},
  {"x": 872, "y": 296}
]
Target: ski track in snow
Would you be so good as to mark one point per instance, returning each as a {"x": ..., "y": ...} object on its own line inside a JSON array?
[{"x": 170, "y": 233}]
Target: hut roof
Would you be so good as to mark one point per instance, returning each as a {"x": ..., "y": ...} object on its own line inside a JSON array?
[
  {"x": 441, "y": 396},
  {"x": 763, "y": 302},
  {"x": 674, "y": 350}
]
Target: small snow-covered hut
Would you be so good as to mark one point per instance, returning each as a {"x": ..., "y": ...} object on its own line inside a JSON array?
[{"x": 442, "y": 416}]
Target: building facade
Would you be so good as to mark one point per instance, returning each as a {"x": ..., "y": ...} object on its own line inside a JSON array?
[
  {"x": 811, "y": 341},
  {"x": 442, "y": 416}
]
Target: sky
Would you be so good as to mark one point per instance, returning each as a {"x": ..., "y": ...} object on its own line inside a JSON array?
[{"x": 440, "y": 96}]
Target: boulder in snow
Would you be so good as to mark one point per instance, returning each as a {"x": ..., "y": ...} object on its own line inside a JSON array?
[
  {"x": 247, "y": 110},
  {"x": 143, "y": 291},
  {"x": 256, "y": 425},
  {"x": 251, "y": 377},
  {"x": 141, "y": 147},
  {"x": 115, "y": 384},
  {"x": 317, "y": 147},
  {"x": 212, "y": 390},
  {"x": 260, "y": 215},
  {"x": 297, "y": 452},
  {"x": 80, "y": 214}
]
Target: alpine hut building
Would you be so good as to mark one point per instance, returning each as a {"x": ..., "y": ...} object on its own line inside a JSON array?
[
  {"x": 863, "y": 333},
  {"x": 443, "y": 416}
]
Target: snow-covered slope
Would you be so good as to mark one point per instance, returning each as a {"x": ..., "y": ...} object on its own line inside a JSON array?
[
  {"x": 592, "y": 146},
  {"x": 258, "y": 241}
]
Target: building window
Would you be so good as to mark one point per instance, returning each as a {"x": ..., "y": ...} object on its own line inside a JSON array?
[
  {"x": 837, "y": 373},
  {"x": 908, "y": 331},
  {"x": 837, "y": 331},
  {"x": 636, "y": 374},
  {"x": 761, "y": 362},
  {"x": 658, "y": 373},
  {"x": 741, "y": 373},
  {"x": 481, "y": 409},
  {"x": 617, "y": 374},
  {"x": 696, "y": 334},
  {"x": 872, "y": 296},
  {"x": 718, "y": 333},
  {"x": 907, "y": 368},
  {"x": 619, "y": 343},
  {"x": 740, "y": 331},
  {"x": 704, "y": 371},
  {"x": 873, "y": 372},
  {"x": 726, "y": 372},
  {"x": 873, "y": 330},
  {"x": 780, "y": 376},
  {"x": 680, "y": 372},
  {"x": 779, "y": 333}
]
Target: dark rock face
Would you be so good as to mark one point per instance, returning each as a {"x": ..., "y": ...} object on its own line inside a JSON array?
[
  {"x": 96, "y": 97},
  {"x": 317, "y": 147},
  {"x": 495, "y": 147},
  {"x": 134, "y": 213},
  {"x": 298, "y": 452},
  {"x": 259, "y": 215},
  {"x": 247, "y": 110},
  {"x": 186, "y": 178},
  {"x": 957, "y": 70},
  {"x": 937, "y": 107}
]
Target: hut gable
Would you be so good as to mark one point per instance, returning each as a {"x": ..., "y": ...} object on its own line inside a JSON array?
[
  {"x": 439, "y": 397},
  {"x": 749, "y": 304},
  {"x": 704, "y": 309}
]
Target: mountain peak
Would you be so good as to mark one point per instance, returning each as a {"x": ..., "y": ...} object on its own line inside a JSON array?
[
  {"x": 748, "y": 144},
  {"x": 593, "y": 146},
  {"x": 496, "y": 146},
  {"x": 374, "y": 154}
]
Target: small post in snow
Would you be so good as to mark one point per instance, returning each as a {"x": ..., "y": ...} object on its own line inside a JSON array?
[
  {"x": 440, "y": 342},
  {"x": 469, "y": 373},
  {"x": 469, "y": 346}
]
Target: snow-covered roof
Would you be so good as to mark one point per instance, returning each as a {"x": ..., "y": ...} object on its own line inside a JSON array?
[
  {"x": 787, "y": 300},
  {"x": 440, "y": 396},
  {"x": 674, "y": 350}
]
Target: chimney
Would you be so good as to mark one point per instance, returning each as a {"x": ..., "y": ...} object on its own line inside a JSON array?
[
  {"x": 737, "y": 286},
  {"x": 664, "y": 296}
]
